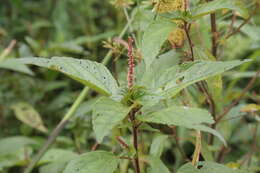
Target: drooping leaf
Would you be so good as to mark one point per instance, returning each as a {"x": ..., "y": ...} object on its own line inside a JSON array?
[
  {"x": 91, "y": 74},
  {"x": 210, "y": 130},
  {"x": 28, "y": 115},
  {"x": 12, "y": 64},
  {"x": 94, "y": 162},
  {"x": 213, "y": 6},
  {"x": 107, "y": 113},
  {"x": 191, "y": 118},
  {"x": 153, "y": 39},
  {"x": 157, "y": 145},
  {"x": 196, "y": 71}
]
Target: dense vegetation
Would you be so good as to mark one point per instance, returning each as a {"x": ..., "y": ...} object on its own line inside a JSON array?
[{"x": 124, "y": 86}]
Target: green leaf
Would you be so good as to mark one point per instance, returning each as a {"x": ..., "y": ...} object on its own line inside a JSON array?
[
  {"x": 57, "y": 160},
  {"x": 208, "y": 167},
  {"x": 194, "y": 72},
  {"x": 153, "y": 39},
  {"x": 17, "y": 158},
  {"x": 107, "y": 113},
  {"x": 55, "y": 167},
  {"x": 157, "y": 166},
  {"x": 91, "y": 74},
  {"x": 28, "y": 115},
  {"x": 12, "y": 64},
  {"x": 13, "y": 144},
  {"x": 56, "y": 154},
  {"x": 157, "y": 145},
  {"x": 93, "y": 162},
  {"x": 191, "y": 118},
  {"x": 213, "y": 167},
  {"x": 188, "y": 168},
  {"x": 178, "y": 116},
  {"x": 213, "y": 6},
  {"x": 210, "y": 130}
]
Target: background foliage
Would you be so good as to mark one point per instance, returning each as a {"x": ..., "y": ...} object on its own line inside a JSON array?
[{"x": 33, "y": 100}]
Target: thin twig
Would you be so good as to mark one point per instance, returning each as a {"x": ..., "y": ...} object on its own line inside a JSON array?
[
  {"x": 236, "y": 101},
  {"x": 122, "y": 142},
  {"x": 238, "y": 28},
  {"x": 95, "y": 146}
]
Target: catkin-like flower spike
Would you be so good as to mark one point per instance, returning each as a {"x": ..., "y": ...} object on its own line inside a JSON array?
[{"x": 131, "y": 64}]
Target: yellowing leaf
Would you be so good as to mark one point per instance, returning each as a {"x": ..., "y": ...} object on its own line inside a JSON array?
[
  {"x": 250, "y": 108},
  {"x": 28, "y": 115}
]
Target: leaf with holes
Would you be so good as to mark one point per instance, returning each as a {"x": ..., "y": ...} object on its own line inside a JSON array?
[
  {"x": 194, "y": 72},
  {"x": 28, "y": 115},
  {"x": 107, "y": 113},
  {"x": 91, "y": 74},
  {"x": 93, "y": 162}
]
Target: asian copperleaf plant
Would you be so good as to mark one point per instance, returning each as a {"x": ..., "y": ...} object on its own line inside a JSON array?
[{"x": 147, "y": 101}]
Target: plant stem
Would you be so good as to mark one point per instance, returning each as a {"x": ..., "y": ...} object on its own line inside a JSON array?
[
  {"x": 238, "y": 28},
  {"x": 189, "y": 40},
  {"x": 236, "y": 101},
  {"x": 135, "y": 142},
  {"x": 135, "y": 126},
  {"x": 214, "y": 33},
  {"x": 196, "y": 155},
  {"x": 52, "y": 137}
]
